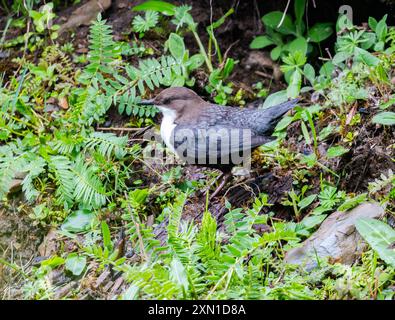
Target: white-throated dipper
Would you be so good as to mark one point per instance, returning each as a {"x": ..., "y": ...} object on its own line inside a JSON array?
[{"x": 212, "y": 135}]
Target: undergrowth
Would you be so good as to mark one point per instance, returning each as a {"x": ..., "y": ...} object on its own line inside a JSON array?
[{"x": 89, "y": 183}]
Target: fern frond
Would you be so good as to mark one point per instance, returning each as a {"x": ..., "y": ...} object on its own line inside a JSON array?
[
  {"x": 89, "y": 190},
  {"x": 10, "y": 165},
  {"x": 102, "y": 50},
  {"x": 65, "y": 179},
  {"x": 65, "y": 143},
  {"x": 34, "y": 168},
  {"x": 107, "y": 144}
]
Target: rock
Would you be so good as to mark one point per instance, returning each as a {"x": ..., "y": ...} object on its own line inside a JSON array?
[
  {"x": 49, "y": 245},
  {"x": 16, "y": 186},
  {"x": 85, "y": 14},
  {"x": 258, "y": 59},
  {"x": 336, "y": 238}
]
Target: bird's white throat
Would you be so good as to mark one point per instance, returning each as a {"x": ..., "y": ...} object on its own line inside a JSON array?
[{"x": 167, "y": 126}]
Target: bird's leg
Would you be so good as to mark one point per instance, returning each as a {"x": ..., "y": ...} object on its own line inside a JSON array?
[{"x": 225, "y": 179}]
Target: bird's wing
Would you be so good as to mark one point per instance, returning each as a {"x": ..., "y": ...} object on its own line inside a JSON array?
[
  {"x": 261, "y": 121},
  {"x": 216, "y": 144}
]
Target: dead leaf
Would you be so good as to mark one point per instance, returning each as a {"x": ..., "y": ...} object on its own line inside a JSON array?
[{"x": 63, "y": 103}]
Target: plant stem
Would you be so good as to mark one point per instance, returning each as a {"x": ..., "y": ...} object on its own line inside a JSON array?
[{"x": 203, "y": 51}]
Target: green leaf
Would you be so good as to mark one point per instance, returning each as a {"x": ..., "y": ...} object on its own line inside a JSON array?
[
  {"x": 327, "y": 69},
  {"x": 380, "y": 236},
  {"x": 382, "y": 29},
  {"x": 309, "y": 72},
  {"x": 276, "y": 52},
  {"x": 275, "y": 98},
  {"x": 336, "y": 151},
  {"x": 372, "y": 23},
  {"x": 299, "y": 44},
  {"x": 300, "y": 6},
  {"x": 105, "y": 230},
  {"x": 75, "y": 264},
  {"x": 385, "y": 118},
  {"x": 366, "y": 57},
  {"x": 320, "y": 31},
  {"x": 79, "y": 221},
  {"x": 159, "y": 6},
  {"x": 313, "y": 221},
  {"x": 272, "y": 20},
  {"x": 176, "y": 46},
  {"x": 353, "y": 202},
  {"x": 283, "y": 123},
  {"x": 295, "y": 84},
  {"x": 388, "y": 104},
  {"x": 195, "y": 61},
  {"x": 340, "y": 57},
  {"x": 305, "y": 202},
  {"x": 261, "y": 42}
]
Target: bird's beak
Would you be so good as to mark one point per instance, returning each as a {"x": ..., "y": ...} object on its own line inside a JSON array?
[{"x": 149, "y": 102}]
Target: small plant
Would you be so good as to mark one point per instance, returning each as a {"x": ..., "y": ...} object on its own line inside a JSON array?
[
  {"x": 289, "y": 36},
  {"x": 142, "y": 25}
]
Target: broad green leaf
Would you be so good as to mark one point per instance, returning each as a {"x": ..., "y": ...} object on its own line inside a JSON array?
[
  {"x": 272, "y": 20},
  {"x": 340, "y": 57},
  {"x": 353, "y": 202},
  {"x": 283, "y": 123},
  {"x": 309, "y": 72},
  {"x": 261, "y": 42},
  {"x": 336, "y": 151},
  {"x": 320, "y": 31},
  {"x": 159, "y": 6},
  {"x": 195, "y": 61},
  {"x": 78, "y": 221},
  {"x": 299, "y": 44},
  {"x": 294, "y": 85},
  {"x": 327, "y": 69},
  {"x": 386, "y": 118},
  {"x": 300, "y": 6},
  {"x": 380, "y": 236},
  {"x": 274, "y": 99},
  {"x": 176, "y": 46},
  {"x": 313, "y": 221},
  {"x": 305, "y": 202},
  {"x": 75, "y": 264},
  {"x": 276, "y": 52},
  {"x": 366, "y": 57},
  {"x": 53, "y": 262},
  {"x": 381, "y": 29},
  {"x": 372, "y": 23}
]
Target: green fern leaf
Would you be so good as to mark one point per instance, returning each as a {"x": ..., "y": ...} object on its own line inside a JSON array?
[{"x": 89, "y": 190}]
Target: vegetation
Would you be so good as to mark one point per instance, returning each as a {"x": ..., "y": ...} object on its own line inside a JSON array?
[{"x": 114, "y": 212}]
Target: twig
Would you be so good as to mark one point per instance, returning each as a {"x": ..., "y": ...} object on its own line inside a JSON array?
[
  {"x": 264, "y": 74},
  {"x": 227, "y": 51},
  {"x": 284, "y": 14}
]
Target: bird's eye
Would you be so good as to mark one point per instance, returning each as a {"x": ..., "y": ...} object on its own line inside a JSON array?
[{"x": 166, "y": 101}]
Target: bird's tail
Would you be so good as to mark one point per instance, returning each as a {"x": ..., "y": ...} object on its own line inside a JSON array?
[{"x": 279, "y": 110}]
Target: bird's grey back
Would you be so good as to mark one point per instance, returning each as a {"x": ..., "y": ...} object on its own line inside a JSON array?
[{"x": 258, "y": 120}]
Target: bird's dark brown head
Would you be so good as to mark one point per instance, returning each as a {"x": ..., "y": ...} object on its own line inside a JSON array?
[{"x": 177, "y": 99}]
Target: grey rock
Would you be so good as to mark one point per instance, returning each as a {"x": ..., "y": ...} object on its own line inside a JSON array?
[{"x": 336, "y": 238}]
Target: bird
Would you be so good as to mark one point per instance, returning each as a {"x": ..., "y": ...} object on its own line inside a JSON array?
[{"x": 211, "y": 135}]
